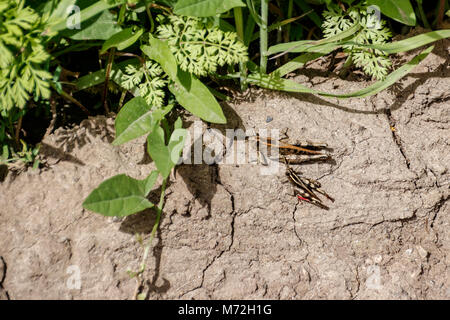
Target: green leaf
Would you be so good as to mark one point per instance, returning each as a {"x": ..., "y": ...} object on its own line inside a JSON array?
[
  {"x": 313, "y": 16},
  {"x": 205, "y": 8},
  {"x": 150, "y": 181},
  {"x": 160, "y": 52},
  {"x": 136, "y": 119},
  {"x": 276, "y": 83},
  {"x": 165, "y": 156},
  {"x": 406, "y": 44},
  {"x": 322, "y": 46},
  {"x": 399, "y": 10},
  {"x": 100, "y": 27},
  {"x": 60, "y": 12},
  {"x": 119, "y": 196},
  {"x": 122, "y": 39},
  {"x": 296, "y": 63},
  {"x": 195, "y": 97},
  {"x": 190, "y": 92},
  {"x": 85, "y": 14}
]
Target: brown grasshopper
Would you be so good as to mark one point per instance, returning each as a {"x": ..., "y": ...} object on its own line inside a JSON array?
[
  {"x": 295, "y": 151},
  {"x": 305, "y": 188}
]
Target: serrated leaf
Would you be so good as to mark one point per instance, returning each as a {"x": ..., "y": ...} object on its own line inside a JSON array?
[
  {"x": 122, "y": 39},
  {"x": 205, "y": 8},
  {"x": 119, "y": 196},
  {"x": 136, "y": 119}
]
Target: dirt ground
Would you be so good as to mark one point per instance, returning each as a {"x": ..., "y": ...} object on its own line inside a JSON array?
[{"x": 227, "y": 231}]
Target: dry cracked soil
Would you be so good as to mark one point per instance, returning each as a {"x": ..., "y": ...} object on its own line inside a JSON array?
[{"x": 230, "y": 232}]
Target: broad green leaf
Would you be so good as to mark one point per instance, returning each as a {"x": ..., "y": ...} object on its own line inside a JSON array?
[
  {"x": 150, "y": 181},
  {"x": 176, "y": 143},
  {"x": 399, "y": 10},
  {"x": 136, "y": 119},
  {"x": 190, "y": 92},
  {"x": 119, "y": 196},
  {"x": 160, "y": 52},
  {"x": 165, "y": 156},
  {"x": 195, "y": 97},
  {"x": 85, "y": 14},
  {"x": 274, "y": 82},
  {"x": 61, "y": 11},
  {"x": 205, "y": 8},
  {"x": 100, "y": 27},
  {"x": 122, "y": 39}
]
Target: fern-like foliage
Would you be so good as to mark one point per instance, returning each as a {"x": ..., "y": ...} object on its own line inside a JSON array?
[
  {"x": 149, "y": 78},
  {"x": 22, "y": 54},
  {"x": 198, "y": 48},
  {"x": 373, "y": 31}
]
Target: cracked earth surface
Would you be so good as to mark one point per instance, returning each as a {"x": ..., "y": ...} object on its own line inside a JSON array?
[{"x": 230, "y": 232}]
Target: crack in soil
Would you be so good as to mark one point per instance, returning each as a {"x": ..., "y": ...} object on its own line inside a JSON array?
[
  {"x": 233, "y": 218},
  {"x": 3, "y": 292}
]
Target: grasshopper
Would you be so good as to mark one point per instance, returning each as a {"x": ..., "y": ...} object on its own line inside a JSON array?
[
  {"x": 295, "y": 151},
  {"x": 304, "y": 188}
]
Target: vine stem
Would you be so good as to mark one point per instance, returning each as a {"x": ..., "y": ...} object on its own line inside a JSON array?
[
  {"x": 159, "y": 209},
  {"x": 264, "y": 35}
]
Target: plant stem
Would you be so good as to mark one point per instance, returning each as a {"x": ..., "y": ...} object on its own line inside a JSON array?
[
  {"x": 18, "y": 128},
  {"x": 240, "y": 32},
  {"x": 264, "y": 35},
  {"x": 122, "y": 98},
  {"x": 155, "y": 226},
  {"x": 107, "y": 74},
  {"x": 440, "y": 16},
  {"x": 147, "y": 9},
  {"x": 152, "y": 236},
  {"x": 287, "y": 30},
  {"x": 68, "y": 97},
  {"x": 423, "y": 17}
]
